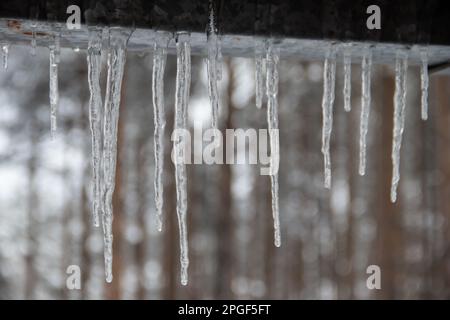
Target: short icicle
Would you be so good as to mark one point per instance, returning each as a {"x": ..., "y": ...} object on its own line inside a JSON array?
[
  {"x": 183, "y": 81},
  {"x": 54, "y": 91},
  {"x": 329, "y": 78},
  {"x": 259, "y": 75},
  {"x": 5, "y": 54},
  {"x": 159, "y": 63},
  {"x": 365, "y": 109},
  {"x": 116, "y": 63},
  {"x": 272, "y": 59},
  {"x": 347, "y": 91},
  {"x": 33, "y": 38},
  {"x": 94, "y": 59},
  {"x": 424, "y": 82},
  {"x": 401, "y": 67},
  {"x": 213, "y": 67}
]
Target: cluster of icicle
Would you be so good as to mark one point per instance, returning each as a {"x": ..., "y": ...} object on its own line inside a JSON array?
[
  {"x": 104, "y": 117},
  {"x": 104, "y": 127},
  {"x": 267, "y": 56},
  {"x": 329, "y": 76}
]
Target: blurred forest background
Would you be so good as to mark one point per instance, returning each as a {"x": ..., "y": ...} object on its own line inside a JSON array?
[{"x": 329, "y": 237}]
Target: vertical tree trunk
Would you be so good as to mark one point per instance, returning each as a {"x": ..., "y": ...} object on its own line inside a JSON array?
[
  {"x": 170, "y": 252},
  {"x": 388, "y": 234},
  {"x": 32, "y": 206},
  {"x": 224, "y": 213},
  {"x": 443, "y": 157},
  {"x": 141, "y": 246}
]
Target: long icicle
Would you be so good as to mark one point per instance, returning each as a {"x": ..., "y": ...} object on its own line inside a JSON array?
[
  {"x": 424, "y": 82},
  {"x": 329, "y": 77},
  {"x": 116, "y": 63},
  {"x": 365, "y": 109},
  {"x": 94, "y": 60},
  {"x": 183, "y": 80},
  {"x": 259, "y": 75},
  {"x": 54, "y": 91},
  {"x": 213, "y": 66},
  {"x": 347, "y": 91},
  {"x": 159, "y": 63},
  {"x": 401, "y": 67},
  {"x": 272, "y": 121}
]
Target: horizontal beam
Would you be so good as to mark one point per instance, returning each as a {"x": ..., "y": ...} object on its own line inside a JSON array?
[
  {"x": 404, "y": 22},
  {"x": 306, "y": 31}
]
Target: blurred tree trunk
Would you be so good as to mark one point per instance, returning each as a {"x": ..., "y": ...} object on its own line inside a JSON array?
[
  {"x": 141, "y": 245},
  {"x": 31, "y": 275},
  {"x": 224, "y": 213},
  {"x": 66, "y": 233},
  {"x": 87, "y": 223},
  {"x": 388, "y": 232},
  {"x": 443, "y": 157},
  {"x": 170, "y": 252},
  {"x": 86, "y": 210},
  {"x": 352, "y": 174}
]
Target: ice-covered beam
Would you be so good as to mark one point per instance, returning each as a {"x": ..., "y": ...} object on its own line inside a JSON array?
[
  {"x": 303, "y": 28},
  {"x": 408, "y": 21}
]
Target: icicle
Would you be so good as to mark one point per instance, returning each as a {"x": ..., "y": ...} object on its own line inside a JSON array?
[
  {"x": 424, "y": 83},
  {"x": 219, "y": 58},
  {"x": 272, "y": 59},
  {"x": 54, "y": 92},
  {"x": 347, "y": 80},
  {"x": 159, "y": 63},
  {"x": 183, "y": 81},
  {"x": 116, "y": 63},
  {"x": 5, "y": 54},
  {"x": 213, "y": 67},
  {"x": 329, "y": 77},
  {"x": 259, "y": 76},
  {"x": 33, "y": 38},
  {"x": 401, "y": 67},
  {"x": 94, "y": 60},
  {"x": 365, "y": 109}
]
